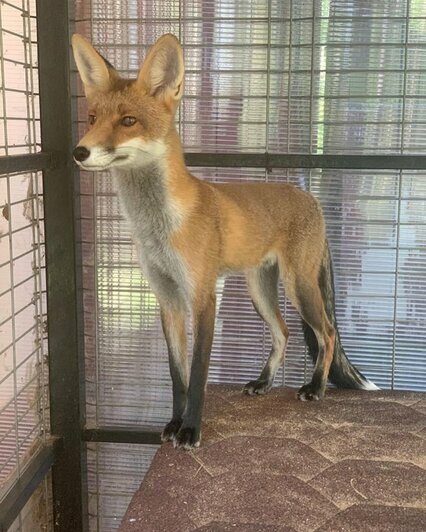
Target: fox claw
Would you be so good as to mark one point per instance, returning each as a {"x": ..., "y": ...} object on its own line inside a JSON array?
[
  {"x": 170, "y": 430},
  {"x": 258, "y": 387},
  {"x": 187, "y": 438},
  {"x": 309, "y": 392}
]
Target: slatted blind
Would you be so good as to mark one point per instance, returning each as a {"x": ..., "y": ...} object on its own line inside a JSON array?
[{"x": 313, "y": 77}]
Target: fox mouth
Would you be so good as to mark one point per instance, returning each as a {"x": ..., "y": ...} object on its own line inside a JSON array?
[
  {"x": 97, "y": 167},
  {"x": 132, "y": 154}
]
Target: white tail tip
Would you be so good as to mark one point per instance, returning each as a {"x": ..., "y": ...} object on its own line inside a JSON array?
[{"x": 370, "y": 386}]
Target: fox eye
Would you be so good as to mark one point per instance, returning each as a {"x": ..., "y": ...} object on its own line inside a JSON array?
[
  {"x": 92, "y": 119},
  {"x": 128, "y": 121}
]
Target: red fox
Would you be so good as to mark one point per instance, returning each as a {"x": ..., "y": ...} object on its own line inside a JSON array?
[{"x": 188, "y": 233}]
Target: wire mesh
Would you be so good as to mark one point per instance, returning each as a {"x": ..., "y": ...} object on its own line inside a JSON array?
[
  {"x": 24, "y": 414},
  {"x": 313, "y": 76},
  {"x": 20, "y": 121},
  {"x": 23, "y": 341}
]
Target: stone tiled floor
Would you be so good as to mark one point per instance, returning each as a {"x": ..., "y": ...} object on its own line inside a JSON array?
[{"x": 352, "y": 462}]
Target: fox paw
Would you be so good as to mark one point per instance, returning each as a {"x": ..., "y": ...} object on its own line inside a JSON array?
[
  {"x": 258, "y": 387},
  {"x": 170, "y": 430},
  {"x": 310, "y": 392},
  {"x": 187, "y": 438}
]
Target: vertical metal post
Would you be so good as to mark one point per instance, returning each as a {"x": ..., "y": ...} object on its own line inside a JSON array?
[{"x": 65, "y": 368}]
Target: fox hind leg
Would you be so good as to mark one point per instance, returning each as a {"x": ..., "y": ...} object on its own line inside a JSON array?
[
  {"x": 263, "y": 288},
  {"x": 306, "y": 295}
]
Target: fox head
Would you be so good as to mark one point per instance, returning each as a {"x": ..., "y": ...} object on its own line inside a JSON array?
[{"x": 129, "y": 120}]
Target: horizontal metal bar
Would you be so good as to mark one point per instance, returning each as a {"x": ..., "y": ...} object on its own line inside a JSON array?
[
  {"x": 13, "y": 118},
  {"x": 11, "y": 400},
  {"x": 5, "y": 2},
  {"x": 264, "y": 45},
  {"x": 20, "y": 91},
  {"x": 19, "y": 35},
  {"x": 316, "y": 71},
  {"x": 23, "y": 228},
  {"x": 261, "y": 123},
  {"x": 261, "y": 97},
  {"x": 270, "y": 160},
  {"x": 238, "y": 98},
  {"x": 36, "y": 470},
  {"x": 18, "y": 366},
  {"x": 29, "y": 436},
  {"x": 17, "y": 62},
  {"x": 19, "y": 202},
  {"x": 147, "y": 436},
  {"x": 19, "y": 337},
  {"x": 247, "y": 19},
  {"x": 24, "y": 146},
  {"x": 23, "y": 254},
  {"x": 17, "y": 312},
  {"x": 29, "y": 162}
]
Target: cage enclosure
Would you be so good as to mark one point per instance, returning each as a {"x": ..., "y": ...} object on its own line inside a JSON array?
[{"x": 328, "y": 95}]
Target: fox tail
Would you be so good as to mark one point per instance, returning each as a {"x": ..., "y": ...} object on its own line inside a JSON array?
[{"x": 342, "y": 373}]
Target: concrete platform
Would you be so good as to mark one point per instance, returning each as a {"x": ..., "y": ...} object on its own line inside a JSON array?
[{"x": 352, "y": 462}]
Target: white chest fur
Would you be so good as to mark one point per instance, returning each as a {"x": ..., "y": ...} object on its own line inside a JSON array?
[{"x": 153, "y": 218}]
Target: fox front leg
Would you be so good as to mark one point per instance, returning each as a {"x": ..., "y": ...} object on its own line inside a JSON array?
[
  {"x": 173, "y": 319},
  {"x": 189, "y": 435}
]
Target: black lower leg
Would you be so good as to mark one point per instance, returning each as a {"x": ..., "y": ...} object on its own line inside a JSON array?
[
  {"x": 316, "y": 388},
  {"x": 179, "y": 402},
  {"x": 190, "y": 431},
  {"x": 311, "y": 307},
  {"x": 173, "y": 322},
  {"x": 264, "y": 383}
]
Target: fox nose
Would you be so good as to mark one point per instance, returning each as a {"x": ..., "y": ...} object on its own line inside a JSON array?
[{"x": 81, "y": 153}]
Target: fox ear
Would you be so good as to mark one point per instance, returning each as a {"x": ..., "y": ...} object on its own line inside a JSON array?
[
  {"x": 95, "y": 71},
  {"x": 163, "y": 70}
]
